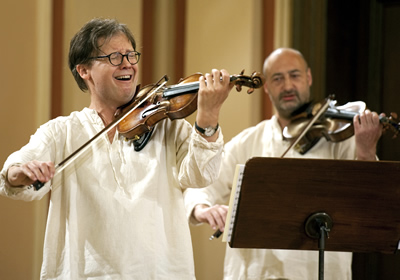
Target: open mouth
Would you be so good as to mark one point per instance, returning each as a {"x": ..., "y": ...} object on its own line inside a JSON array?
[{"x": 124, "y": 78}]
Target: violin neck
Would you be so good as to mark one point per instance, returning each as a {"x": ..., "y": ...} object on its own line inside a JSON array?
[
  {"x": 339, "y": 114},
  {"x": 348, "y": 115},
  {"x": 179, "y": 89}
]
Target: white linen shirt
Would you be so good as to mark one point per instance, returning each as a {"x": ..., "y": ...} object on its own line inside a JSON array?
[
  {"x": 116, "y": 213},
  {"x": 265, "y": 140}
]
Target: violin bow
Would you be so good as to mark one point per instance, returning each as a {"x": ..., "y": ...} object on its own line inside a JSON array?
[{"x": 308, "y": 126}]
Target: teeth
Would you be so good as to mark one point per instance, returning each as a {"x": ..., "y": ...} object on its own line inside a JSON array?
[{"x": 125, "y": 77}]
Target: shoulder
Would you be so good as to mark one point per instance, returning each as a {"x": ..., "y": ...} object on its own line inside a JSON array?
[
  {"x": 59, "y": 127},
  {"x": 76, "y": 117}
]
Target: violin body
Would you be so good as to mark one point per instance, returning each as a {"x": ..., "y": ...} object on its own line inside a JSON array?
[{"x": 156, "y": 108}]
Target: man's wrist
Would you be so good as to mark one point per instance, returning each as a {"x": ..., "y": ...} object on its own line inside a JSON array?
[
  {"x": 206, "y": 131},
  {"x": 12, "y": 166}
]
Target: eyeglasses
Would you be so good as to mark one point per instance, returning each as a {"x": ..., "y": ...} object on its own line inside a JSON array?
[{"x": 116, "y": 58}]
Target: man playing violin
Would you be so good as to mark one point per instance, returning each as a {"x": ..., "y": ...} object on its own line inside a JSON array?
[
  {"x": 288, "y": 81},
  {"x": 116, "y": 213}
]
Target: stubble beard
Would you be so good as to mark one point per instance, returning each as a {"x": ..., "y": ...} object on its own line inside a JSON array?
[{"x": 286, "y": 108}]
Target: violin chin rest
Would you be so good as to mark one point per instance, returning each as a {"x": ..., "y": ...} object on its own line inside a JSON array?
[{"x": 142, "y": 141}]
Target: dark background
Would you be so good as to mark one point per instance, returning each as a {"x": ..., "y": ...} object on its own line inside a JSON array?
[{"x": 353, "y": 48}]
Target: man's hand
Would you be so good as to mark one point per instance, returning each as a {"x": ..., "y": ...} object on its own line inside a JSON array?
[
  {"x": 30, "y": 172},
  {"x": 213, "y": 91},
  {"x": 215, "y": 215},
  {"x": 367, "y": 130}
]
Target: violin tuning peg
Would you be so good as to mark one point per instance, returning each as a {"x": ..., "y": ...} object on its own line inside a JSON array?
[
  {"x": 250, "y": 90},
  {"x": 238, "y": 87}
]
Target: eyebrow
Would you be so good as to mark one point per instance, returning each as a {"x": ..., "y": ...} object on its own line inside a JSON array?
[
  {"x": 294, "y": 71},
  {"x": 290, "y": 72}
]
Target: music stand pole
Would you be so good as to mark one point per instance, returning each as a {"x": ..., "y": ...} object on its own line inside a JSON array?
[{"x": 317, "y": 226}]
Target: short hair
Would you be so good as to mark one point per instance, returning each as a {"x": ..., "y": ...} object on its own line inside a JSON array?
[{"x": 85, "y": 43}]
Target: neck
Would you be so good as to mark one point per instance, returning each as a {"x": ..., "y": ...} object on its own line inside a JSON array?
[
  {"x": 105, "y": 113},
  {"x": 283, "y": 122},
  {"x": 107, "y": 116}
]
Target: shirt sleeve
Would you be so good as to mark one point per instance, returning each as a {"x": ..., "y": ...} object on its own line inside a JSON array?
[
  {"x": 40, "y": 147},
  {"x": 26, "y": 193},
  {"x": 219, "y": 191},
  {"x": 201, "y": 165}
]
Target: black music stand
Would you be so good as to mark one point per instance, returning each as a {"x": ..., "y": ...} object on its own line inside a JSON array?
[{"x": 289, "y": 203}]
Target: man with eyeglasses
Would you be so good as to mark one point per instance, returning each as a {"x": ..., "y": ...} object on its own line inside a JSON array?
[{"x": 117, "y": 213}]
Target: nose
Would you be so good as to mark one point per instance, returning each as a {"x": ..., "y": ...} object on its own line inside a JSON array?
[
  {"x": 288, "y": 85},
  {"x": 125, "y": 62}
]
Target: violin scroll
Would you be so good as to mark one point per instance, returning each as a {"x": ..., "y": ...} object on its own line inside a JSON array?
[
  {"x": 390, "y": 123},
  {"x": 256, "y": 80}
]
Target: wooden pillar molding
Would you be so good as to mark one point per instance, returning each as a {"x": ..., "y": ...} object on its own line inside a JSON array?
[
  {"x": 180, "y": 21},
  {"x": 268, "y": 18},
  {"x": 57, "y": 58},
  {"x": 174, "y": 47},
  {"x": 148, "y": 42}
]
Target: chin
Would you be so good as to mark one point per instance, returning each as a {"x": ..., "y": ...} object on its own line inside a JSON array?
[
  {"x": 129, "y": 94},
  {"x": 290, "y": 106}
]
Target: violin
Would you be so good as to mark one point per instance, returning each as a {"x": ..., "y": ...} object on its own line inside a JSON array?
[
  {"x": 153, "y": 103},
  {"x": 173, "y": 102},
  {"x": 334, "y": 123}
]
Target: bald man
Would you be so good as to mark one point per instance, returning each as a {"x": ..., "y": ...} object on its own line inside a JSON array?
[{"x": 288, "y": 82}]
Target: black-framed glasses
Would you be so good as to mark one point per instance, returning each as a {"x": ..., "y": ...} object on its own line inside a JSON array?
[{"x": 116, "y": 58}]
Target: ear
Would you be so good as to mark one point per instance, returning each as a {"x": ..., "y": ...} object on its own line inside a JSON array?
[
  {"x": 267, "y": 92},
  {"x": 83, "y": 71},
  {"x": 266, "y": 88},
  {"x": 309, "y": 76}
]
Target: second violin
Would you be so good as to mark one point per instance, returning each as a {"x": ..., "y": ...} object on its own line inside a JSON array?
[{"x": 334, "y": 123}]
